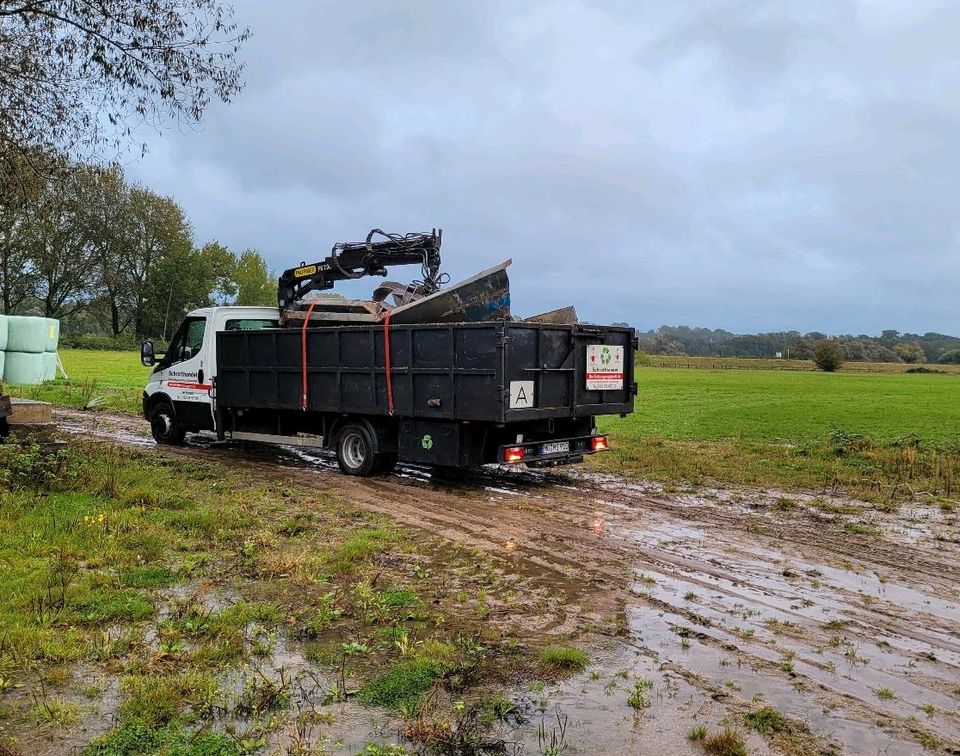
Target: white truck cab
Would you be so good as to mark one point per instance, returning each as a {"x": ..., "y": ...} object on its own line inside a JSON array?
[{"x": 179, "y": 394}]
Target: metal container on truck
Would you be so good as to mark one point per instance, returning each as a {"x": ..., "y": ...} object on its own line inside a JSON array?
[{"x": 457, "y": 394}]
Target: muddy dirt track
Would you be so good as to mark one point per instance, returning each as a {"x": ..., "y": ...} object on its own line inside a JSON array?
[{"x": 843, "y": 617}]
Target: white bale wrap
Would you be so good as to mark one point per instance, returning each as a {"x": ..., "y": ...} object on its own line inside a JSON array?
[
  {"x": 24, "y": 334},
  {"x": 49, "y": 366},
  {"x": 24, "y": 368},
  {"x": 3, "y": 358},
  {"x": 3, "y": 334},
  {"x": 53, "y": 335}
]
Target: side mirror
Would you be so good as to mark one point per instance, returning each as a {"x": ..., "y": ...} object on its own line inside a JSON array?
[{"x": 147, "y": 357}]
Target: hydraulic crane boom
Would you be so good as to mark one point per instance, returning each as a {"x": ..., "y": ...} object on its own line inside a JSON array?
[{"x": 349, "y": 260}]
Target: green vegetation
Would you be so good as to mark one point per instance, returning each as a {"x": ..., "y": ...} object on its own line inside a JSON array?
[
  {"x": 762, "y": 405},
  {"x": 879, "y": 436},
  {"x": 176, "y": 583},
  {"x": 828, "y": 356},
  {"x": 766, "y": 721},
  {"x": 116, "y": 377},
  {"x": 639, "y": 697},
  {"x": 727, "y": 742},
  {"x": 564, "y": 658}
]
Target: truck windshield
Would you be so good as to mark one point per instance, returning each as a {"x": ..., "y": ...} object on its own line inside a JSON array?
[{"x": 250, "y": 324}]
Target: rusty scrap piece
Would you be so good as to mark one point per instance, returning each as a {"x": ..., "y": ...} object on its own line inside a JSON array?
[
  {"x": 484, "y": 297},
  {"x": 403, "y": 294},
  {"x": 561, "y": 316},
  {"x": 338, "y": 311}
]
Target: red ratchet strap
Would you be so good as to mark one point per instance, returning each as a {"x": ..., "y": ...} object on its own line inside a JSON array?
[
  {"x": 303, "y": 354},
  {"x": 386, "y": 361}
]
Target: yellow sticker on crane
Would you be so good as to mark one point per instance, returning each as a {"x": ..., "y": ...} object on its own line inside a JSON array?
[{"x": 305, "y": 271}]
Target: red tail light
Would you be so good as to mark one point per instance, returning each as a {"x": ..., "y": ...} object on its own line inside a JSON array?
[
  {"x": 599, "y": 443},
  {"x": 514, "y": 454}
]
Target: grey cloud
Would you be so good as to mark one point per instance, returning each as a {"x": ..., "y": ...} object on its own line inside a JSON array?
[{"x": 737, "y": 164}]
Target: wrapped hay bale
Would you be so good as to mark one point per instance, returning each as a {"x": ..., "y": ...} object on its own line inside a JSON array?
[
  {"x": 3, "y": 335},
  {"x": 24, "y": 368},
  {"x": 49, "y": 366},
  {"x": 29, "y": 335},
  {"x": 2, "y": 360}
]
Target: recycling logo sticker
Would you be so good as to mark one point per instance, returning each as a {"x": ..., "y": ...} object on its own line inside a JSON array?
[
  {"x": 604, "y": 367},
  {"x": 427, "y": 442}
]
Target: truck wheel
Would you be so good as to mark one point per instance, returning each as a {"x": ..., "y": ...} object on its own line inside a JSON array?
[
  {"x": 164, "y": 427},
  {"x": 356, "y": 450}
]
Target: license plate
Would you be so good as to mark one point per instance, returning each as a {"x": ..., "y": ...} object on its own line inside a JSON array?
[{"x": 556, "y": 447}]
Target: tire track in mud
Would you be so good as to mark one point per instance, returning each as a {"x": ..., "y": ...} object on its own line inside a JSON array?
[{"x": 856, "y": 635}]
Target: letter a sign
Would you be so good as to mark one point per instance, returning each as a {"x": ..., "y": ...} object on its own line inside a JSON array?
[{"x": 521, "y": 394}]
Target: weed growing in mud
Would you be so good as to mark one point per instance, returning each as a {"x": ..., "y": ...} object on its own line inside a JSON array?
[
  {"x": 564, "y": 658},
  {"x": 766, "y": 721},
  {"x": 552, "y": 741},
  {"x": 54, "y": 712},
  {"x": 885, "y": 694},
  {"x": 136, "y": 736},
  {"x": 927, "y": 741},
  {"x": 697, "y": 734},
  {"x": 727, "y": 742},
  {"x": 639, "y": 697}
]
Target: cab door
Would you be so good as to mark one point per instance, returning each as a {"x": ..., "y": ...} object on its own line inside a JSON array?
[{"x": 183, "y": 374}]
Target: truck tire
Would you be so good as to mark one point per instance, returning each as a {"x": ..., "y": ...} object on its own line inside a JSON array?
[
  {"x": 357, "y": 450},
  {"x": 164, "y": 426}
]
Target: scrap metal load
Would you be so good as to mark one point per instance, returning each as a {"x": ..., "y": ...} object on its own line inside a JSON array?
[{"x": 483, "y": 297}]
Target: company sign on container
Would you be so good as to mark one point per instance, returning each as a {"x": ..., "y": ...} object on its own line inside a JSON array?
[{"x": 604, "y": 367}]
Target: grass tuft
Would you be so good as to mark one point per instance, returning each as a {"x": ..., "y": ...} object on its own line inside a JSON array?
[
  {"x": 564, "y": 658},
  {"x": 727, "y": 742},
  {"x": 766, "y": 720}
]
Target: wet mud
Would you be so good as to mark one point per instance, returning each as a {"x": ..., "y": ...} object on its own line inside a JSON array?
[{"x": 843, "y": 617}]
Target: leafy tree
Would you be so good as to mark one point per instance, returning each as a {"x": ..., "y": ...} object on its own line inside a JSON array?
[
  {"x": 828, "y": 355},
  {"x": 950, "y": 357},
  {"x": 79, "y": 75},
  {"x": 183, "y": 280},
  {"x": 58, "y": 239},
  {"x": 910, "y": 351},
  {"x": 18, "y": 200},
  {"x": 155, "y": 234},
  {"x": 255, "y": 284}
]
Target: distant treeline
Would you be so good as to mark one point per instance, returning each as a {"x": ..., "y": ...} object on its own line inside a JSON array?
[{"x": 889, "y": 346}]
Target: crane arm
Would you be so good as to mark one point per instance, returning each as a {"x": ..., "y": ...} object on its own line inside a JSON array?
[{"x": 349, "y": 260}]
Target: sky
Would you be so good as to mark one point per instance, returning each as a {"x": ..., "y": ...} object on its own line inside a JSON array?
[{"x": 752, "y": 166}]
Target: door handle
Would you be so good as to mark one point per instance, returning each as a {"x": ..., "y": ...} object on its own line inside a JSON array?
[{"x": 200, "y": 375}]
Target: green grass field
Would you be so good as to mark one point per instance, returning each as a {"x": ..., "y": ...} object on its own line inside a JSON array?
[
  {"x": 773, "y": 405},
  {"x": 116, "y": 377},
  {"x": 882, "y": 436}
]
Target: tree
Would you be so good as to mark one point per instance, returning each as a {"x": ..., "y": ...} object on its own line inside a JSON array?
[
  {"x": 17, "y": 203},
  {"x": 910, "y": 351},
  {"x": 59, "y": 242},
  {"x": 77, "y": 76},
  {"x": 828, "y": 355},
  {"x": 255, "y": 284},
  {"x": 155, "y": 235},
  {"x": 950, "y": 357},
  {"x": 184, "y": 280}
]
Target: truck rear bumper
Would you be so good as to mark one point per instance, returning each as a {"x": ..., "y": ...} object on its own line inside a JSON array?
[{"x": 553, "y": 452}]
